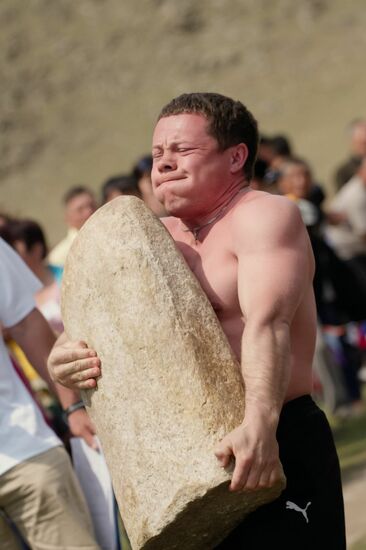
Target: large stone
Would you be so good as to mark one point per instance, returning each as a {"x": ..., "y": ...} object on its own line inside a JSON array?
[{"x": 171, "y": 387}]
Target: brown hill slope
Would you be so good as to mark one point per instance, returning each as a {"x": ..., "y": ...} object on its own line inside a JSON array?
[{"x": 82, "y": 82}]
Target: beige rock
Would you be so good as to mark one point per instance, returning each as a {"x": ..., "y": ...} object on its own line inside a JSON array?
[{"x": 171, "y": 386}]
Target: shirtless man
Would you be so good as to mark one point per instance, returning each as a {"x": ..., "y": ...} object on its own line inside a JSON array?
[{"x": 252, "y": 256}]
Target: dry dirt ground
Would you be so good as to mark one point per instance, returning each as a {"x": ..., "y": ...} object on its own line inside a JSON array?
[{"x": 83, "y": 82}]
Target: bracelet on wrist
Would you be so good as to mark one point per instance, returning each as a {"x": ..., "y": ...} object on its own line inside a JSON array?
[{"x": 74, "y": 407}]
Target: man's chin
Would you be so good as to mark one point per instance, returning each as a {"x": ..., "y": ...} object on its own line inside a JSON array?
[{"x": 176, "y": 207}]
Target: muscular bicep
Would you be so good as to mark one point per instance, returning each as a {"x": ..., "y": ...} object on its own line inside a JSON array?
[{"x": 275, "y": 269}]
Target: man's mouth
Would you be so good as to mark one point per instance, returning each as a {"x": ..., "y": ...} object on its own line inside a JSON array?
[{"x": 169, "y": 180}]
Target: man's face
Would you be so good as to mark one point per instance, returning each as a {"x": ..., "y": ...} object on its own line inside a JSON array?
[
  {"x": 190, "y": 173},
  {"x": 79, "y": 209}
]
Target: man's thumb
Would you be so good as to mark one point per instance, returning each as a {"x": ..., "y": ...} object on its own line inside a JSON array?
[{"x": 223, "y": 454}]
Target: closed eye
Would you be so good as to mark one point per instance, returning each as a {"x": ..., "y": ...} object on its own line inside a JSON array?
[{"x": 185, "y": 149}]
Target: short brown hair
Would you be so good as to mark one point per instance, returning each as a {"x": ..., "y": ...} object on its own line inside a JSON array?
[{"x": 230, "y": 122}]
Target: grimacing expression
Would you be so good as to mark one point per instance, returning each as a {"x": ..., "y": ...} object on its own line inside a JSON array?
[{"x": 189, "y": 169}]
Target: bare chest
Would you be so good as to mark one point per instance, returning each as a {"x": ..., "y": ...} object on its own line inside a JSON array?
[{"x": 216, "y": 269}]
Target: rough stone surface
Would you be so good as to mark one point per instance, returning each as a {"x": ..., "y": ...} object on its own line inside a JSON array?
[{"x": 171, "y": 387}]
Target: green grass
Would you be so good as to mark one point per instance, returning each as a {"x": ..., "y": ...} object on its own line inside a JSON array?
[
  {"x": 350, "y": 439},
  {"x": 360, "y": 545}
]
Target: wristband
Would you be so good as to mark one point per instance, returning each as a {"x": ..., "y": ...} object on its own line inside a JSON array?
[{"x": 75, "y": 407}]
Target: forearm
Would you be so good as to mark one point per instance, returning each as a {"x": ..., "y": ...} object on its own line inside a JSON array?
[
  {"x": 36, "y": 339},
  {"x": 266, "y": 369}
]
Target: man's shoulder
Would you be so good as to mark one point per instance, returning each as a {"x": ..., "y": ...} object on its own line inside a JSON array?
[
  {"x": 264, "y": 208},
  {"x": 263, "y": 217}
]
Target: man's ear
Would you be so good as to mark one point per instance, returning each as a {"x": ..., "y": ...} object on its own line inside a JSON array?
[{"x": 239, "y": 155}]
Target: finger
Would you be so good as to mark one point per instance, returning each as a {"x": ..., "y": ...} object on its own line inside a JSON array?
[
  {"x": 65, "y": 355},
  {"x": 240, "y": 474},
  {"x": 92, "y": 427},
  {"x": 92, "y": 372},
  {"x": 253, "y": 478},
  {"x": 95, "y": 445},
  {"x": 78, "y": 366},
  {"x": 223, "y": 454},
  {"x": 85, "y": 384},
  {"x": 275, "y": 476},
  {"x": 90, "y": 439},
  {"x": 75, "y": 344},
  {"x": 265, "y": 479}
]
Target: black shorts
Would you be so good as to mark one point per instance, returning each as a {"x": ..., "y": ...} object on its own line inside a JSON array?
[{"x": 309, "y": 514}]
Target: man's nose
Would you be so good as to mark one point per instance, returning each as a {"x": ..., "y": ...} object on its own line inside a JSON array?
[{"x": 167, "y": 163}]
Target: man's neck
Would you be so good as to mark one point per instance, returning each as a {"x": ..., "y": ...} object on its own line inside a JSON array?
[{"x": 221, "y": 205}]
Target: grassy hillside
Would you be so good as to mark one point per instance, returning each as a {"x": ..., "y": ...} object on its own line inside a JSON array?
[{"x": 83, "y": 80}]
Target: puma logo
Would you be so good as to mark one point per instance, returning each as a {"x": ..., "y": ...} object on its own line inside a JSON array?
[{"x": 292, "y": 506}]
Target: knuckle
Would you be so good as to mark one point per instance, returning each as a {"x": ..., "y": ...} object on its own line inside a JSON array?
[
  {"x": 273, "y": 465},
  {"x": 78, "y": 366},
  {"x": 245, "y": 459},
  {"x": 263, "y": 484},
  {"x": 80, "y": 376}
]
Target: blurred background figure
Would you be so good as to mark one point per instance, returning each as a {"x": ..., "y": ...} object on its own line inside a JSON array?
[
  {"x": 296, "y": 181},
  {"x": 142, "y": 172},
  {"x": 258, "y": 181},
  {"x": 51, "y": 512},
  {"x": 28, "y": 239},
  {"x": 349, "y": 167},
  {"x": 4, "y": 219},
  {"x": 119, "y": 185},
  {"x": 281, "y": 150},
  {"x": 340, "y": 299},
  {"x": 273, "y": 153},
  {"x": 79, "y": 204},
  {"x": 347, "y": 221}
]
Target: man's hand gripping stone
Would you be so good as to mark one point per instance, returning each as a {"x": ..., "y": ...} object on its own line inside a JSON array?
[
  {"x": 254, "y": 448},
  {"x": 73, "y": 364}
]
